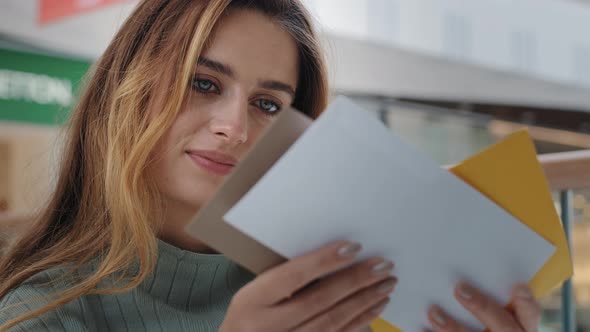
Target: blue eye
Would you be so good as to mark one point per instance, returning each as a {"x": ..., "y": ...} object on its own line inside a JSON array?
[
  {"x": 267, "y": 106},
  {"x": 203, "y": 85}
]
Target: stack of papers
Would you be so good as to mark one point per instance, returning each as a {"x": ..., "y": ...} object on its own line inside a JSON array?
[{"x": 490, "y": 221}]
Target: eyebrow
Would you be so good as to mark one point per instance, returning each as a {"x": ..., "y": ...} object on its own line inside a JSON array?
[
  {"x": 216, "y": 66},
  {"x": 279, "y": 86},
  {"x": 227, "y": 70}
]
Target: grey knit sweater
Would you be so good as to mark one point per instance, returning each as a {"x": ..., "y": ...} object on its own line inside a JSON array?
[{"x": 187, "y": 292}]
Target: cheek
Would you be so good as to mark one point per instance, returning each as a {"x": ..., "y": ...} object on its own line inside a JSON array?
[
  {"x": 171, "y": 146},
  {"x": 160, "y": 161},
  {"x": 188, "y": 124}
]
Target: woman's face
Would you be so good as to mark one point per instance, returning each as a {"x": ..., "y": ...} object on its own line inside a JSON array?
[{"x": 247, "y": 74}]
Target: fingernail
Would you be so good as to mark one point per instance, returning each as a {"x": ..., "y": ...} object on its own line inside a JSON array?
[
  {"x": 380, "y": 307},
  {"x": 439, "y": 318},
  {"x": 349, "y": 250},
  {"x": 382, "y": 268},
  {"x": 524, "y": 292},
  {"x": 386, "y": 286},
  {"x": 466, "y": 292}
]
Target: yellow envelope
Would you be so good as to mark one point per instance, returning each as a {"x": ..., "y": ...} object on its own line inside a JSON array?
[{"x": 509, "y": 174}]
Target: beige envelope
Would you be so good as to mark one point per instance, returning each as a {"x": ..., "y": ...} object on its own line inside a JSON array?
[{"x": 209, "y": 226}]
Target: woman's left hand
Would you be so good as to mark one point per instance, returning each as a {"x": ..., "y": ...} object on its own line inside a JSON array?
[{"x": 524, "y": 318}]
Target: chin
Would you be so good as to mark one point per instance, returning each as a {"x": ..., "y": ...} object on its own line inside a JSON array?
[
  {"x": 190, "y": 192},
  {"x": 197, "y": 198}
]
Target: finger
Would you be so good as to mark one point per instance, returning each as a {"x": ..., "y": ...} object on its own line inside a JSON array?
[
  {"x": 343, "y": 313},
  {"x": 442, "y": 322},
  {"x": 362, "y": 322},
  {"x": 283, "y": 281},
  {"x": 491, "y": 314},
  {"x": 526, "y": 308},
  {"x": 335, "y": 288}
]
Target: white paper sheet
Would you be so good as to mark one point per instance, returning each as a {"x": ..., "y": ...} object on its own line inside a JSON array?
[{"x": 349, "y": 177}]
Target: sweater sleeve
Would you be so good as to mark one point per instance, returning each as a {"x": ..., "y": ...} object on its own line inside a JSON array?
[{"x": 29, "y": 296}]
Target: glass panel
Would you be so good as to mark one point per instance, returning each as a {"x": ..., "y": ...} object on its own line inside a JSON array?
[{"x": 581, "y": 257}]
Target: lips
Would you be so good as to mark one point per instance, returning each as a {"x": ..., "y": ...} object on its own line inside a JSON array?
[{"x": 213, "y": 161}]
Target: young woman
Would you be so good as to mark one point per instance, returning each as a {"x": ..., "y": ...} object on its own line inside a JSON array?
[{"x": 178, "y": 98}]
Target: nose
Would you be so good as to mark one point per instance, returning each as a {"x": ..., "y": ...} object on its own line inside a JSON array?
[{"x": 229, "y": 122}]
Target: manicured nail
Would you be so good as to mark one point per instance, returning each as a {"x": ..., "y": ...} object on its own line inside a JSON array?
[
  {"x": 524, "y": 292},
  {"x": 466, "y": 292},
  {"x": 380, "y": 307},
  {"x": 349, "y": 250},
  {"x": 387, "y": 286},
  {"x": 382, "y": 268},
  {"x": 439, "y": 318}
]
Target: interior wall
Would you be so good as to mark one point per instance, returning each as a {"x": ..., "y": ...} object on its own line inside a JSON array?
[
  {"x": 28, "y": 161},
  {"x": 5, "y": 170}
]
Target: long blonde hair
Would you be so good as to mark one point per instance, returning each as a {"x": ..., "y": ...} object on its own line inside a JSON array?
[{"x": 104, "y": 206}]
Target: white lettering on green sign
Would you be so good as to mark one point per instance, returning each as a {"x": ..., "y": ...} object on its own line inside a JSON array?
[{"x": 40, "y": 89}]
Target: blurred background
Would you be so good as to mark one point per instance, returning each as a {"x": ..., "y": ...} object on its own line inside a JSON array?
[{"x": 449, "y": 76}]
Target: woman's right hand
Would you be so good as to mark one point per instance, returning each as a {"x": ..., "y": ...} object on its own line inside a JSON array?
[{"x": 319, "y": 291}]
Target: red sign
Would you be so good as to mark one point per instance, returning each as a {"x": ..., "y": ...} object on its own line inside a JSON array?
[{"x": 51, "y": 10}]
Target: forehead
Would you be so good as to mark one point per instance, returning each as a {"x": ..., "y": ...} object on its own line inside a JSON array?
[{"x": 254, "y": 45}]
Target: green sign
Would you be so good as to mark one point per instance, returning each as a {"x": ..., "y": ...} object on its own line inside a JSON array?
[{"x": 38, "y": 88}]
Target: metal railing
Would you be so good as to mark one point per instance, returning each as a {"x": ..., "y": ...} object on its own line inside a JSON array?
[{"x": 565, "y": 172}]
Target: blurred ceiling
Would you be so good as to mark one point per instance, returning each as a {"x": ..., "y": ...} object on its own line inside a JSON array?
[
  {"x": 356, "y": 66},
  {"x": 85, "y": 35}
]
